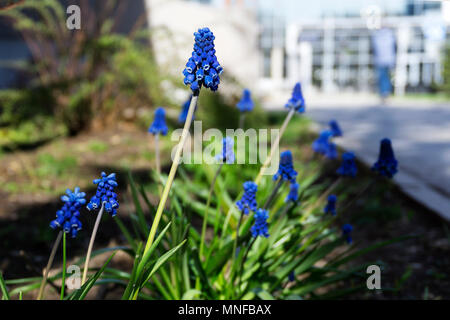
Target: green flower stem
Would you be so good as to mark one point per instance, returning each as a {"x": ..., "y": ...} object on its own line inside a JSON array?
[
  {"x": 91, "y": 243},
  {"x": 275, "y": 145},
  {"x": 63, "y": 281},
  {"x": 49, "y": 265},
  {"x": 172, "y": 172},
  {"x": 321, "y": 199},
  {"x": 242, "y": 120},
  {"x": 157, "y": 161},
  {"x": 241, "y": 270},
  {"x": 279, "y": 214},
  {"x": 205, "y": 217},
  {"x": 236, "y": 241},
  {"x": 360, "y": 193},
  {"x": 157, "y": 157},
  {"x": 274, "y": 193}
]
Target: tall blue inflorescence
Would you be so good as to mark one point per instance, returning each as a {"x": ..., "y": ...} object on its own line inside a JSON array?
[
  {"x": 386, "y": 164},
  {"x": 105, "y": 194},
  {"x": 227, "y": 155},
  {"x": 248, "y": 200},
  {"x": 68, "y": 217},
  {"x": 335, "y": 129},
  {"x": 202, "y": 68},
  {"x": 331, "y": 205},
  {"x": 293, "y": 192},
  {"x": 347, "y": 232},
  {"x": 323, "y": 145},
  {"x": 348, "y": 165},
  {"x": 159, "y": 123},
  {"x": 331, "y": 152},
  {"x": 297, "y": 101},
  {"x": 261, "y": 227},
  {"x": 246, "y": 103},
  {"x": 291, "y": 276},
  {"x": 286, "y": 168}
]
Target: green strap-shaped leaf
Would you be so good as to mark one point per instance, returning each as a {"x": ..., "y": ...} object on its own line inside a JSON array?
[
  {"x": 161, "y": 261},
  {"x": 5, "y": 294},
  {"x": 81, "y": 293}
]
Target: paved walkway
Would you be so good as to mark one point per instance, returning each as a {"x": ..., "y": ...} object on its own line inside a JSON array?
[{"x": 420, "y": 134}]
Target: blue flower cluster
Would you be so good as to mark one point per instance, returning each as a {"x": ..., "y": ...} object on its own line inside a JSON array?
[
  {"x": 202, "y": 68},
  {"x": 331, "y": 205},
  {"x": 68, "y": 217},
  {"x": 159, "y": 123},
  {"x": 348, "y": 166},
  {"x": 291, "y": 276},
  {"x": 297, "y": 101},
  {"x": 246, "y": 103},
  {"x": 386, "y": 164},
  {"x": 105, "y": 194},
  {"x": 347, "y": 232},
  {"x": 335, "y": 129},
  {"x": 227, "y": 155},
  {"x": 293, "y": 192},
  {"x": 323, "y": 145},
  {"x": 248, "y": 200},
  {"x": 286, "y": 168},
  {"x": 261, "y": 227}
]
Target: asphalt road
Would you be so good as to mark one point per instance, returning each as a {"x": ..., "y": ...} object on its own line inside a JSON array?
[{"x": 420, "y": 135}]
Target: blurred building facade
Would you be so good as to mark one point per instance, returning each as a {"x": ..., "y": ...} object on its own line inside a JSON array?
[{"x": 335, "y": 53}]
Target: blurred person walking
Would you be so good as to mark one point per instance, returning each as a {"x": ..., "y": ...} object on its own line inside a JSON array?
[{"x": 384, "y": 60}]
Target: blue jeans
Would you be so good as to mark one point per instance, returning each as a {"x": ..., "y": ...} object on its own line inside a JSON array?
[{"x": 384, "y": 81}]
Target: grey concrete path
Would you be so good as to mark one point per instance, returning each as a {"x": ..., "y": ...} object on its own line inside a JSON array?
[{"x": 420, "y": 134}]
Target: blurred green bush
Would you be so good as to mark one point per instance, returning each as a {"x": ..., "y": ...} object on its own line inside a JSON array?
[{"x": 84, "y": 78}]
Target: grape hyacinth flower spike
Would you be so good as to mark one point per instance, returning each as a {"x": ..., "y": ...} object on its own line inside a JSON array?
[
  {"x": 348, "y": 166},
  {"x": 285, "y": 172},
  {"x": 323, "y": 146},
  {"x": 331, "y": 205},
  {"x": 347, "y": 232},
  {"x": 158, "y": 125},
  {"x": 335, "y": 129},
  {"x": 68, "y": 217},
  {"x": 246, "y": 103},
  {"x": 68, "y": 221},
  {"x": 296, "y": 102},
  {"x": 104, "y": 199},
  {"x": 248, "y": 200},
  {"x": 291, "y": 276},
  {"x": 286, "y": 168},
  {"x": 293, "y": 192},
  {"x": 261, "y": 227},
  {"x": 386, "y": 164},
  {"x": 246, "y": 205},
  {"x": 105, "y": 194},
  {"x": 227, "y": 156},
  {"x": 202, "y": 68}
]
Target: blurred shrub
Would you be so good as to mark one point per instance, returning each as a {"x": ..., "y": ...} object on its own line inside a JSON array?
[
  {"x": 30, "y": 132},
  {"x": 217, "y": 111},
  {"x": 84, "y": 77}
]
